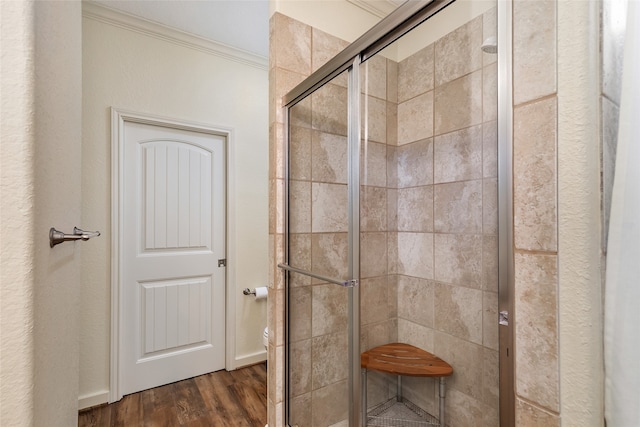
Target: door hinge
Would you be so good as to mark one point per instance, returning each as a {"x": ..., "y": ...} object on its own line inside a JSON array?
[{"x": 222, "y": 262}]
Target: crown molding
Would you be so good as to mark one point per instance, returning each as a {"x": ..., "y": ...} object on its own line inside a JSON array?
[
  {"x": 168, "y": 34},
  {"x": 379, "y": 8}
]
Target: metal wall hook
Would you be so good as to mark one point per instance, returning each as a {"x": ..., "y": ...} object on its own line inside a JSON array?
[{"x": 56, "y": 236}]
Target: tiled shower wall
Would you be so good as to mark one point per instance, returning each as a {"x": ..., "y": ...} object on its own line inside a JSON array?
[{"x": 445, "y": 252}]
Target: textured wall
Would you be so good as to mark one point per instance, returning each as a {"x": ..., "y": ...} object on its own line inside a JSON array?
[
  {"x": 17, "y": 213},
  {"x": 144, "y": 73},
  {"x": 41, "y": 139}
]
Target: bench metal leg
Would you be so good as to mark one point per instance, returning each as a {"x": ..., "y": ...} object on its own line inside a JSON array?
[
  {"x": 441, "y": 415},
  {"x": 363, "y": 394}
]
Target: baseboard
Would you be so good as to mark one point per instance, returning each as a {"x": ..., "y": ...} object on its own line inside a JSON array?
[
  {"x": 94, "y": 399},
  {"x": 250, "y": 359}
]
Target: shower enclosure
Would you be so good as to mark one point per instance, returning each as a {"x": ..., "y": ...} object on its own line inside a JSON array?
[{"x": 395, "y": 175}]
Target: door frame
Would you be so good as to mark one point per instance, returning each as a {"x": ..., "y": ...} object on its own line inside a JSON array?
[{"x": 118, "y": 119}]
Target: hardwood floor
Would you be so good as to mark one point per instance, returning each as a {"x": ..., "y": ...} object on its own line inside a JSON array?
[{"x": 234, "y": 399}]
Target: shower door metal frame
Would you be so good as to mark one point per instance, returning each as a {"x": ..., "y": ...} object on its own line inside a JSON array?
[{"x": 404, "y": 19}]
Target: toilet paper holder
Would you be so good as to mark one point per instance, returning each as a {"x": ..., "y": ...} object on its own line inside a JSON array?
[{"x": 260, "y": 292}]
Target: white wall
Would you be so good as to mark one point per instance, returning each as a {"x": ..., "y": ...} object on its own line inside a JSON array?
[
  {"x": 139, "y": 71},
  {"x": 41, "y": 136}
]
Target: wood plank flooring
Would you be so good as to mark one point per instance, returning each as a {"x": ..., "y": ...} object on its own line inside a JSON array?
[{"x": 225, "y": 399}]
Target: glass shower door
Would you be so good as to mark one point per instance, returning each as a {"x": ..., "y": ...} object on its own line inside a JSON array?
[
  {"x": 428, "y": 216},
  {"x": 318, "y": 289}
]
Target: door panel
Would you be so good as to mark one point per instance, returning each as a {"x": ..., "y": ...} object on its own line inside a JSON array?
[
  {"x": 174, "y": 234},
  {"x": 318, "y": 346}
]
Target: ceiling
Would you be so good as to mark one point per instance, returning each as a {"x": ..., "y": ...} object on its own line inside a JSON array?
[{"x": 242, "y": 24}]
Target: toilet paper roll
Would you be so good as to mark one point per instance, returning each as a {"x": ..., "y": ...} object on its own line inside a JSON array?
[{"x": 261, "y": 292}]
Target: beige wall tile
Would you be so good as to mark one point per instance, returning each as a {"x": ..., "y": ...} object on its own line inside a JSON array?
[
  {"x": 374, "y": 164},
  {"x": 392, "y": 167},
  {"x": 300, "y": 257},
  {"x": 374, "y": 303},
  {"x": 329, "y": 405},
  {"x": 415, "y": 164},
  {"x": 535, "y": 176},
  {"x": 329, "y": 255},
  {"x": 534, "y": 49},
  {"x": 300, "y": 411},
  {"x": 300, "y": 368},
  {"x": 415, "y": 119},
  {"x": 536, "y": 329},
  {"x": 329, "y": 208},
  {"x": 373, "y": 254},
  {"x": 329, "y": 309},
  {"x": 490, "y": 149},
  {"x": 329, "y": 157},
  {"x": 300, "y": 114},
  {"x": 415, "y": 209},
  {"x": 490, "y": 206},
  {"x": 284, "y": 81},
  {"x": 276, "y": 151},
  {"x": 300, "y": 153},
  {"x": 458, "y": 259},
  {"x": 415, "y": 74},
  {"x": 392, "y": 210},
  {"x": 392, "y": 302},
  {"x": 329, "y": 362},
  {"x": 415, "y": 254},
  {"x": 490, "y": 93},
  {"x": 457, "y": 156},
  {"x": 466, "y": 359},
  {"x": 373, "y": 208},
  {"x": 457, "y": 207},
  {"x": 330, "y": 109},
  {"x": 324, "y": 47},
  {"x": 528, "y": 415},
  {"x": 392, "y": 81},
  {"x": 300, "y": 314},
  {"x": 458, "y": 104},
  {"x": 416, "y": 300},
  {"x": 490, "y": 320},
  {"x": 465, "y": 411},
  {"x": 491, "y": 379},
  {"x": 458, "y": 311},
  {"x": 392, "y": 123},
  {"x": 374, "y": 119},
  {"x": 300, "y": 207},
  {"x": 414, "y": 334},
  {"x": 422, "y": 391},
  {"x": 392, "y": 253},
  {"x": 458, "y": 53},
  {"x": 374, "y": 74},
  {"x": 291, "y": 41},
  {"x": 380, "y": 333},
  {"x": 490, "y": 263}
]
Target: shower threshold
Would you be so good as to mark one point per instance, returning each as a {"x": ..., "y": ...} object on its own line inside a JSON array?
[{"x": 394, "y": 413}]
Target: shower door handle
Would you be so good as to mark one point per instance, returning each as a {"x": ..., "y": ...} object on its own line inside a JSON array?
[
  {"x": 503, "y": 318},
  {"x": 352, "y": 283}
]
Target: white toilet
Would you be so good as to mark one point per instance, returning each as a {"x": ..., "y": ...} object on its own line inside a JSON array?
[{"x": 265, "y": 338}]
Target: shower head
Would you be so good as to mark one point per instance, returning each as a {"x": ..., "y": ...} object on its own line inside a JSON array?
[{"x": 489, "y": 45}]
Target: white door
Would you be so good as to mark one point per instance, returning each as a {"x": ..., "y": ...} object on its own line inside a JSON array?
[{"x": 173, "y": 289}]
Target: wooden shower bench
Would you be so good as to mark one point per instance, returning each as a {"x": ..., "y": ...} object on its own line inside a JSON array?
[{"x": 404, "y": 359}]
